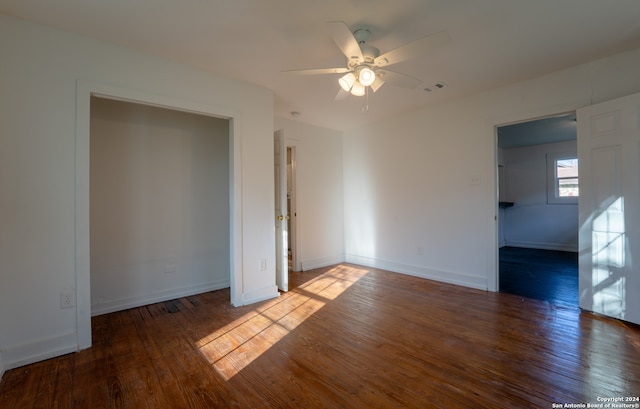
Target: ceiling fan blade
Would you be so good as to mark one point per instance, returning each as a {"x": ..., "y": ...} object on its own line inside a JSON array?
[
  {"x": 377, "y": 84},
  {"x": 316, "y": 71},
  {"x": 342, "y": 94},
  {"x": 413, "y": 49},
  {"x": 345, "y": 40},
  {"x": 398, "y": 80}
]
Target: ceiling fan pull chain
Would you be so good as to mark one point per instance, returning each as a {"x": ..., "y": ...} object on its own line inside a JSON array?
[{"x": 365, "y": 106}]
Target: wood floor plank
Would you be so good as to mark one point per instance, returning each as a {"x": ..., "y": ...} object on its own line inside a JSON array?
[
  {"x": 46, "y": 384},
  {"x": 27, "y": 379},
  {"x": 344, "y": 337},
  {"x": 194, "y": 377},
  {"x": 89, "y": 390}
]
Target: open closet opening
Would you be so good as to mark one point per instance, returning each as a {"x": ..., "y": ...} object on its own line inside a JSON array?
[
  {"x": 159, "y": 204},
  {"x": 538, "y": 208}
]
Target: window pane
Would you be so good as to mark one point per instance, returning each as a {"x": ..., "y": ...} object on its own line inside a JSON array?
[
  {"x": 567, "y": 168},
  {"x": 568, "y": 187}
]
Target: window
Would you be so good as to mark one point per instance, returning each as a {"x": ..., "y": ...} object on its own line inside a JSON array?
[
  {"x": 562, "y": 178},
  {"x": 566, "y": 177}
]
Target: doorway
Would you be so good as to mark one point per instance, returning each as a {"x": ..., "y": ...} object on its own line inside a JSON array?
[
  {"x": 285, "y": 209},
  {"x": 159, "y": 204},
  {"x": 84, "y": 91},
  {"x": 537, "y": 222}
]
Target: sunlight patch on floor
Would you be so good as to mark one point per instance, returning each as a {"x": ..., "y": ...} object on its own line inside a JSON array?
[{"x": 235, "y": 345}]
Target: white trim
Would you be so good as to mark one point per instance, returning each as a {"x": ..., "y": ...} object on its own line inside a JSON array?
[
  {"x": 307, "y": 265},
  {"x": 133, "y": 302},
  {"x": 235, "y": 205},
  {"x": 84, "y": 90},
  {"x": 293, "y": 210},
  {"x": 260, "y": 294},
  {"x": 21, "y": 355},
  {"x": 449, "y": 277}
]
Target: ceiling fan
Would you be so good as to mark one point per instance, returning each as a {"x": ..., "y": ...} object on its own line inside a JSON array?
[{"x": 365, "y": 63}]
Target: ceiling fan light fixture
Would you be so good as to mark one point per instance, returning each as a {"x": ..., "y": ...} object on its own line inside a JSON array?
[
  {"x": 346, "y": 82},
  {"x": 358, "y": 89},
  {"x": 366, "y": 76}
]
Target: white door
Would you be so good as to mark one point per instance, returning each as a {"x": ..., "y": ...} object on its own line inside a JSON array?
[
  {"x": 609, "y": 208},
  {"x": 281, "y": 216}
]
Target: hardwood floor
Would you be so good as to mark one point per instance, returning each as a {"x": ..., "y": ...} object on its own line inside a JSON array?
[
  {"x": 343, "y": 337},
  {"x": 540, "y": 274}
]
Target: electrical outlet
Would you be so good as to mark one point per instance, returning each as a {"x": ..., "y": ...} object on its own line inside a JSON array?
[
  {"x": 263, "y": 264},
  {"x": 67, "y": 300},
  {"x": 420, "y": 251}
]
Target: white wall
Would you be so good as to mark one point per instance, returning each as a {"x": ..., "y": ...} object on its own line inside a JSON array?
[
  {"x": 410, "y": 205},
  {"x": 159, "y": 204},
  {"x": 39, "y": 77},
  {"x": 409, "y": 180},
  {"x": 319, "y": 192},
  {"x": 532, "y": 222}
]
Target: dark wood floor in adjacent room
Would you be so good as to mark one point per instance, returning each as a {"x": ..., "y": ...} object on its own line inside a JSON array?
[
  {"x": 343, "y": 337},
  {"x": 546, "y": 275}
]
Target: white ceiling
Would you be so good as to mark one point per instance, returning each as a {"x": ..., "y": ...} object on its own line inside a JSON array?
[
  {"x": 537, "y": 132},
  {"x": 494, "y": 42}
]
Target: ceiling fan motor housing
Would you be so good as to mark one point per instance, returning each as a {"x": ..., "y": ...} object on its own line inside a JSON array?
[{"x": 369, "y": 52}]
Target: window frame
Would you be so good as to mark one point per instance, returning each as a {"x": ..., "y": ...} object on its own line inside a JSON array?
[{"x": 552, "y": 178}]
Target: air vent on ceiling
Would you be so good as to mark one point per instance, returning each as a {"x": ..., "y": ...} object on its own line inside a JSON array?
[{"x": 435, "y": 87}]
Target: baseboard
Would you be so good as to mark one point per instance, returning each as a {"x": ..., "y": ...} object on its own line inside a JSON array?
[
  {"x": 542, "y": 246},
  {"x": 133, "y": 302},
  {"x": 449, "y": 277},
  {"x": 322, "y": 262},
  {"x": 21, "y": 355},
  {"x": 260, "y": 294}
]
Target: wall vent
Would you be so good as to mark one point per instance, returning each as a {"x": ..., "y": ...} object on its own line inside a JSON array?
[{"x": 435, "y": 87}]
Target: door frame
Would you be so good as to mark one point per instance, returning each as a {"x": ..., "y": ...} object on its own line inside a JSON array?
[
  {"x": 293, "y": 208},
  {"x": 493, "y": 277},
  {"x": 84, "y": 90}
]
